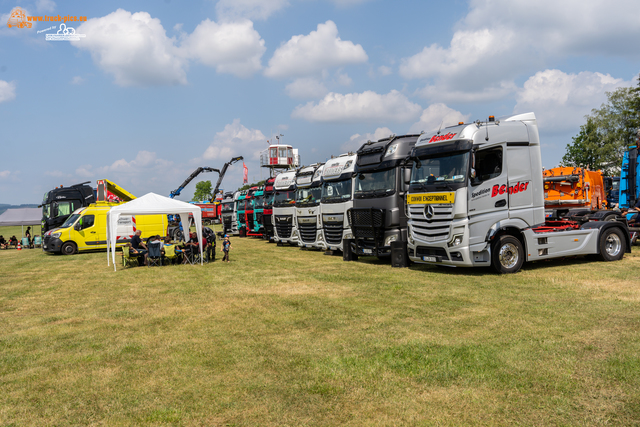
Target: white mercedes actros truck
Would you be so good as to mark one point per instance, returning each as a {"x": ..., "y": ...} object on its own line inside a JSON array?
[
  {"x": 337, "y": 198},
  {"x": 284, "y": 209},
  {"x": 476, "y": 198},
  {"x": 308, "y": 194}
]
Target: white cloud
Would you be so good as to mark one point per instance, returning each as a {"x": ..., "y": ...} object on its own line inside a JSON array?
[
  {"x": 359, "y": 107},
  {"x": 231, "y": 47},
  {"x": 229, "y": 10},
  {"x": 7, "y": 91},
  {"x": 134, "y": 48},
  {"x": 77, "y": 80},
  {"x": 357, "y": 140},
  {"x": 4, "y": 174},
  {"x": 561, "y": 100},
  {"x": 343, "y": 79},
  {"x": 384, "y": 70},
  {"x": 305, "y": 88},
  {"x": 437, "y": 115},
  {"x": 45, "y": 6},
  {"x": 499, "y": 41},
  {"x": 310, "y": 54},
  {"x": 233, "y": 140}
]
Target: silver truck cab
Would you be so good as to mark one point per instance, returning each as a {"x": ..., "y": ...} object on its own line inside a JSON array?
[
  {"x": 476, "y": 198},
  {"x": 337, "y": 199},
  {"x": 228, "y": 215},
  {"x": 308, "y": 195},
  {"x": 284, "y": 209}
]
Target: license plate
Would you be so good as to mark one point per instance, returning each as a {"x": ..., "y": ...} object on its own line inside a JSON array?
[
  {"x": 429, "y": 259},
  {"x": 367, "y": 251}
]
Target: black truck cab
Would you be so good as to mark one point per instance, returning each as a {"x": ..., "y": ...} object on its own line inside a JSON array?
[
  {"x": 59, "y": 203},
  {"x": 378, "y": 218}
]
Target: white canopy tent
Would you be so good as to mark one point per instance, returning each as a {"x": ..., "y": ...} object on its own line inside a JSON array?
[
  {"x": 151, "y": 204},
  {"x": 21, "y": 216}
]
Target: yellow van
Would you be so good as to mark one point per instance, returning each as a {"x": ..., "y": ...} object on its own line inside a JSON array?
[{"x": 86, "y": 229}]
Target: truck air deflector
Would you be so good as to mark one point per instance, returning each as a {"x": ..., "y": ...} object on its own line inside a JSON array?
[{"x": 437, "y": 149}]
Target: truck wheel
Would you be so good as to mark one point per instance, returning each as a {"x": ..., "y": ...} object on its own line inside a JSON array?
[
  {"x": 178, "y": 236},
  {"x": 612, "y": 245},
  {"x": 68, "y": 248},
  {"x": 507, "y": 255}
]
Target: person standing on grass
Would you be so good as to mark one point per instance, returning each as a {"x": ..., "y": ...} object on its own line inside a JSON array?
[
  {"x": 27, "y": 234},
  {"x": 226, "y": 247}
]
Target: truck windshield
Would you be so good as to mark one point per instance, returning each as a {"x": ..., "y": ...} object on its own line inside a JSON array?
[
  {"x": 46, "y": 210},
  {"x": 450, "y": 168},
  {"x": 284, "y": 198},
  {"x": 70, "y": 221},
  {"x": 268, "y": 200},
  {"x": 259, "y": 203},
  {"x": 336, "y": 191},
  {"x": 241, "y": 205},
  {"x": 227, "y": 207},
  {"x": 308, "y": 195},
  {"x": 375, "y": 184}
]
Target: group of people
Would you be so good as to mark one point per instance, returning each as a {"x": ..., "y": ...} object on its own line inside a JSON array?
[
  {"x": 183, "y": 251},
  {"x": 13, "y": 240}
]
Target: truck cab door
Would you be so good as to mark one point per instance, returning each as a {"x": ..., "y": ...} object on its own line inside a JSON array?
[
  {"x": 88, "y": 231},
  {"x": 488, "y": 196}
]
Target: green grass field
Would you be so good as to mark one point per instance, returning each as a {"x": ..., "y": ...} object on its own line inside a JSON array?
[{"x": 284, "y": 337}]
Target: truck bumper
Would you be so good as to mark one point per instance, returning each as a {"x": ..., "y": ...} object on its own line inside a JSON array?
[{"x": 450, "y": 251}]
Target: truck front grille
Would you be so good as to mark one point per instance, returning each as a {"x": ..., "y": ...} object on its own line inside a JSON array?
[
  {"x": 307, "y": 229},
  {"x": 366, "y": 222},
  {"x": 433, "y": 228},
  {"x": 284, "y": 226},
  {"x": 333, "y": 232}
]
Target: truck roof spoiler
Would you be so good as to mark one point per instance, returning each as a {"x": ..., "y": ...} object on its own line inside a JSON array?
[{"x": 525, "y": 117}]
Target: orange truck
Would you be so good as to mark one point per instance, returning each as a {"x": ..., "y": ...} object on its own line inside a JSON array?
[
  {"x": 569, "y": 187},
  {"x": 576, "y": 193}
]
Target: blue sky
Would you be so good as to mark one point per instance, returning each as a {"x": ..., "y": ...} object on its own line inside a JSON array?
[{"x": 156, "y": 89}]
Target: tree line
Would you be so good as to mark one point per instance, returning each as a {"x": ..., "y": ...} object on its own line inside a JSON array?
[{"x": 607, "y": 133}]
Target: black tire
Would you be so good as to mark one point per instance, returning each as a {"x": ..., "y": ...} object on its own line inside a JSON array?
[
  {"x": 68, "y": 248},
  {"x": 613, "y": 217},
  {"x": 507, "y": 255},
  {"x": 612, "y": 245},
  {"x": 178, "y": 236}
]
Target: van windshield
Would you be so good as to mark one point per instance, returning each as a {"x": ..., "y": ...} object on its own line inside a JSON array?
[{"x": 70, "y": 221}]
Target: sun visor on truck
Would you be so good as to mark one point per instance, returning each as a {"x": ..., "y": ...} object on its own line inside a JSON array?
[
  {"x": 437, "y": 149},
  {"x": 387, "y": 164}
]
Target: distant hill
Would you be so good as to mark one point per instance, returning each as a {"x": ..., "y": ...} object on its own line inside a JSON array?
[{"x": 4, "y": 207}]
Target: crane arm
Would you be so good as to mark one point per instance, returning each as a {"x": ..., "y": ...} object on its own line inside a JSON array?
[
  {"x": 224, "y": 171},
  {"x": 186, "y": 182}
]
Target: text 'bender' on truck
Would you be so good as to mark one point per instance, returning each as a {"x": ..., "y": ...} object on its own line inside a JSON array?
[
  {"x": 284, "y": 208},
  {"x": 336, "y": 200},
  {"x": 476, "y": 198},
  {"x": 308, "y": 195},
  {"x": 378, "y": 220}
]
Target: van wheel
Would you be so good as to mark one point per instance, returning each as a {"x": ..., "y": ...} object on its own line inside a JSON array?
[
  {"x": 68, "y": 248},
  {"x": 507, "y": 255},
  {"x": 612, "y": 245}
]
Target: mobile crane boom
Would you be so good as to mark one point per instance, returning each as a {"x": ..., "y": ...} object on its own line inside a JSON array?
[
  {"x": 186, "y": 182},
  {"x": 222, "y": 173}
]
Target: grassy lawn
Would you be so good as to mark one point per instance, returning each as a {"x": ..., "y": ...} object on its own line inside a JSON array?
[{"x": 282, "y": 337}]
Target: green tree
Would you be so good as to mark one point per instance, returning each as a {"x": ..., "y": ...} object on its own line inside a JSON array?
[
  {"x": 607, "y": 133},
  {"x": 203, "y": 191},
  {"x": 248, "y": 186}
]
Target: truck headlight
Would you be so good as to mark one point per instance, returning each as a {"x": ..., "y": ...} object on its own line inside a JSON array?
[
  {"x": 56, "y": 235},
  {"x": 457, "y": 240},
  {"x": 388, "y": 240},
  {"x": 348, "y": 236}
]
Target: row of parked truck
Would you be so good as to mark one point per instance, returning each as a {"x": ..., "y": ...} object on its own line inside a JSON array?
[{"x": 473, "y": 194}]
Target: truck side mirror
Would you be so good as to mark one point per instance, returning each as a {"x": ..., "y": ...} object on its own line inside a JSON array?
[
  {"x": 407, "y": 175},
  {"x": 473, "y": 173},
  {"x": 77, "y": 226}
]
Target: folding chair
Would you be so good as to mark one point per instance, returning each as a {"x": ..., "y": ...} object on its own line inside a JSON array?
[
  {"x": 154, "y": 257},
  {"x": 37, "y": 242},
  {"x": 170, "y": 256},
  {"x": 192, "y": 255},
  {"x": 26, "y": 243},
  {"x": 127, "y": 259}
]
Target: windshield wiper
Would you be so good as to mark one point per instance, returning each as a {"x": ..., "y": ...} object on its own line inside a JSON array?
[{"x": 446, "y": 185}]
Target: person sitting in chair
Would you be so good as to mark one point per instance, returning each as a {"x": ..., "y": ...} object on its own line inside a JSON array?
[
  {"x": 3, "y": 242},
  {"x": 13, "y": 241},
  {"x": 139, "y": 246}
]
